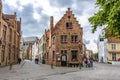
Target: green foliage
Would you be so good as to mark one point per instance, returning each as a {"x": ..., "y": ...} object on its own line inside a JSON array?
[
  {"x": 109, "y": 16},
  {"x": 27, "y": 54},
  {"x": 109, "y": 62},
  {"x": 96, "y": 55}
]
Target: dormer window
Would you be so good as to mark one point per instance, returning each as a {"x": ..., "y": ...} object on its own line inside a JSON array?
[{"x": 69, "y": 25}]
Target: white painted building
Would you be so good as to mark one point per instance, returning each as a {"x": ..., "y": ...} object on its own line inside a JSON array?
[
  {"x": 41, "y": 49},
  {"x": 29, "y": 47},
  {"x": 35, "y": 49},
  {"x": 21, "y": 48},
  {"x": 102, "y": 49}
]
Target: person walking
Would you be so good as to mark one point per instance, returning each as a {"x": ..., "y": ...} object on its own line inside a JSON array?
[
  {"x": 91, "y": 62},
  {"x": 86, "y": 62},
  {"x": 19, "y": 60}
]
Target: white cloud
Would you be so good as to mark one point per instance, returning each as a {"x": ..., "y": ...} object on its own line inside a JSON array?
[
  {"x": 36, "y": 16},
  {"x": 43, "y": 9},
  {"x": 25, "y": 2},
  {"x": 12, "y": 3}
]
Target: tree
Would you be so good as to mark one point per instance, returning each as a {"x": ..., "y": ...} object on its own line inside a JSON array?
[
  {"x": 96, "y": 55},
  {"x": 109, "y": 16}
]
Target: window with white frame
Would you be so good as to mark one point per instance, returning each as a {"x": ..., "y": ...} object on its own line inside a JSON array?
[
  {"x": 63, "y": 38},
  {"x": 74, "y": 38},
  {"x": 74, "y": 54},
  {"x": 113, "y": 56},
  {"x": 113, "y": 46}
]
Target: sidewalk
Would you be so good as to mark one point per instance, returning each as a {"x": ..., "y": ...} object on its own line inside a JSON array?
[{"x": 28, "y": 70}]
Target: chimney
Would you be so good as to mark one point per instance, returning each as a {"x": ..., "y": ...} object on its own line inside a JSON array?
[
  {"x": 20, "y": 23},
  {"x": 1, "y": 3},
  {"x": 51, "y": 22},
  {"x": 68, "y": 9},
  {"x": 15, "y": 14},
  {"x": 0, "y": 10},
  {"x": 20, "y": 20}
]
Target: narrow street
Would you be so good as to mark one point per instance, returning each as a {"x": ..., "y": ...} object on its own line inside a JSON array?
[{"x": 27, "y": 70}]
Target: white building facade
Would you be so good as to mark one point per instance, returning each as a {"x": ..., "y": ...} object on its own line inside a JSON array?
[
  {"x": 21, "y": 48},
  {"x": 35, "y": 50},
  {"x": 41, "y": 45},
  {"x": 102, "y": 50}
]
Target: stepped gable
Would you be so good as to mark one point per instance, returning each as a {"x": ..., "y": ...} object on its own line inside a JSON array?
[{"x": 66, "y": 15}]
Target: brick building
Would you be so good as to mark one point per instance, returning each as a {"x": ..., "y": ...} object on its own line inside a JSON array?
[
  {"x": 64, "y": 44},
  {"x": 10, "y": 34}
]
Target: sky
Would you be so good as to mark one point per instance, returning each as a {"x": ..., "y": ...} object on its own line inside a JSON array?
[{"x": 35, "y": 15}]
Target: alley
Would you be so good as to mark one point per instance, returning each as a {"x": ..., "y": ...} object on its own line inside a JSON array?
[{"x": 27, "y": 70}]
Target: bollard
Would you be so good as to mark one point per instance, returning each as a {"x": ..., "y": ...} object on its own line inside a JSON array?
[{"x": 10, "y": 67}]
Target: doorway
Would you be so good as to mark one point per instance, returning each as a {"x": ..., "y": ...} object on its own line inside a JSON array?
[{"x": 64, "y": 60}]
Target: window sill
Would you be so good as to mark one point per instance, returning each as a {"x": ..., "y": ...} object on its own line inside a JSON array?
[{"x": 63, "y": 42}]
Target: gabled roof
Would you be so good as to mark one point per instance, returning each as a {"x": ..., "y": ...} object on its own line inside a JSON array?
[
  {"x": 67, "y": 14},
  {"x": 113, "y": 40}
]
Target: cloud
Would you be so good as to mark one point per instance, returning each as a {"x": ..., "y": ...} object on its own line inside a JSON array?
[
  {"x": 86, "y": 41},
  {"x": 35, "y": 15},
  {"x": 6, "y": 8},
  {"x": 61, "y": 3},
  {"x": 13, "y": 3},
  {"x": 95, "y": 41}
]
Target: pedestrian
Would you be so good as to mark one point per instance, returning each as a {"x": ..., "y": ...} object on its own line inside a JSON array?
[
  {"x": 19, "y": 60},
  {"x": 86, "y": 62},
  {"x": 91, "y": 62},
  {"x": 36, "y": 60}
]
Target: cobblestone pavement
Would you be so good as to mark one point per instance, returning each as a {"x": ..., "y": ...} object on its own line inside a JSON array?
[{"x": 27, "y": 70}]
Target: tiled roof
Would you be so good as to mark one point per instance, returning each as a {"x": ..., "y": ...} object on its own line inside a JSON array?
[
  {"x": 8, "y": 16},
  {"x": 113, "y": 40}
]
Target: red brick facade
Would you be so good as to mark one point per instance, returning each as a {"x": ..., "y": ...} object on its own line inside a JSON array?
[
  {"x": 10, "y": 34},
  {"x": 65, "y": 41}
]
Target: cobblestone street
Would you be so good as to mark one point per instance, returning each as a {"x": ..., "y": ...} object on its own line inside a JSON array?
[{"x": 30, "y": 71}]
